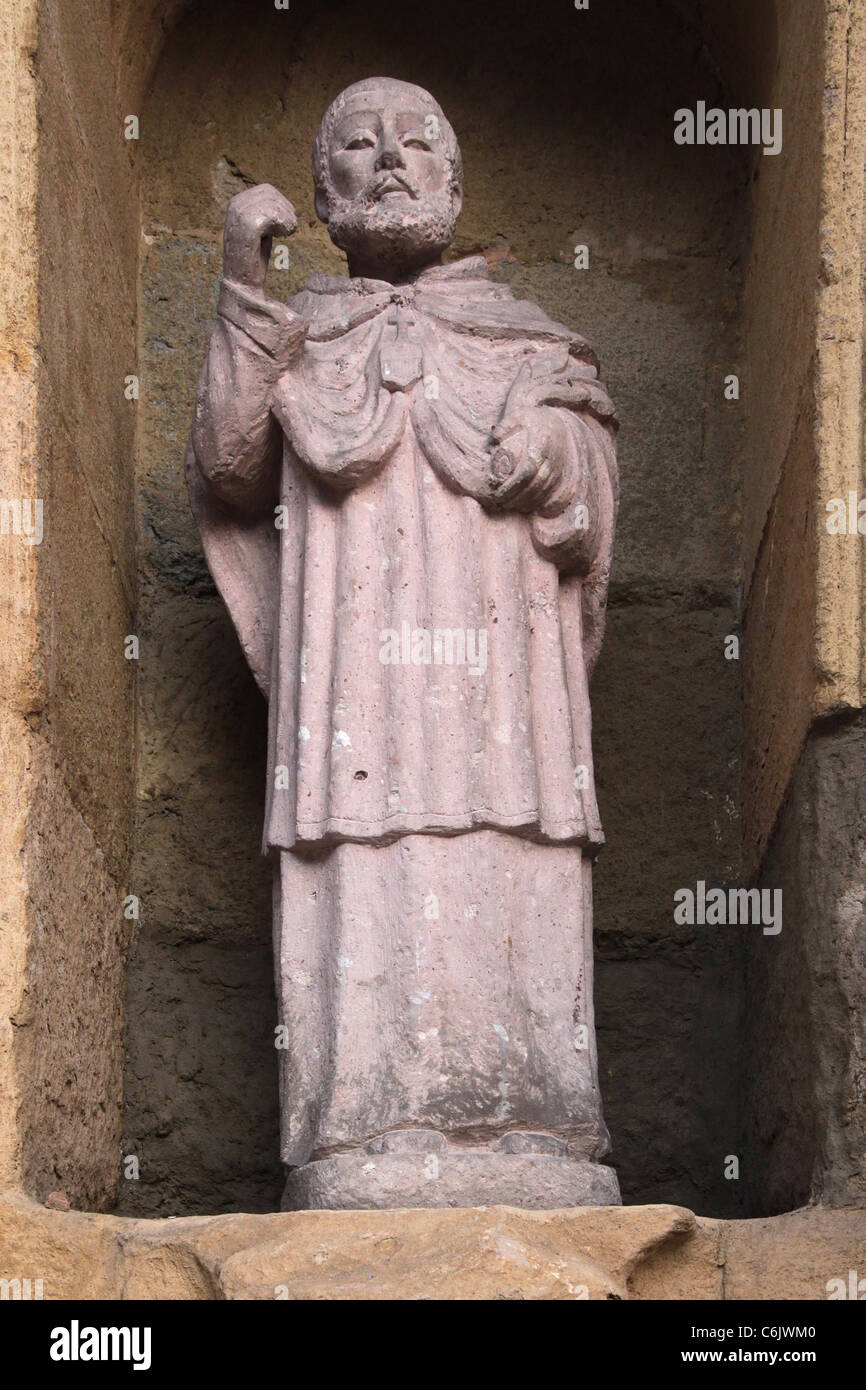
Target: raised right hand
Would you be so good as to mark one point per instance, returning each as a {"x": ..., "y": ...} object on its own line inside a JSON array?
[{"x": 253, "y": 218}]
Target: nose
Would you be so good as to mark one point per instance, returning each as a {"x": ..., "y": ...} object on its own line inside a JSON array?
[{"x": 389, "y": 154}]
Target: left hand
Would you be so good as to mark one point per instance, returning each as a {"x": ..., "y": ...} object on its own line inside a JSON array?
[{"x": 530, "y": 452}]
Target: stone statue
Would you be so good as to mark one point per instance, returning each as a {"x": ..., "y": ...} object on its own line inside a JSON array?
[{"x": 405, "y": 482}]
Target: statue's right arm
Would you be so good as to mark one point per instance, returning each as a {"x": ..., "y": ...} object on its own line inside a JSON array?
[{"x": 237, "y": 440}]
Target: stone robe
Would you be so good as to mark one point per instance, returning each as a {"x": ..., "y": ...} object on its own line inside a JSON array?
[{"x": 431, "y": 811}]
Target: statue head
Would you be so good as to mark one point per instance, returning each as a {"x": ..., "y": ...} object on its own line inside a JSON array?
[{"x": 388, "y": 176}]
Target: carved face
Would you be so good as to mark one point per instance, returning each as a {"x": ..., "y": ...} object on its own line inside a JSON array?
[{"x": 389, "y": 185}]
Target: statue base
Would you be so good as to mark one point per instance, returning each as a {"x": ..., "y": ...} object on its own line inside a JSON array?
[{"x": 419, "y": 1168}]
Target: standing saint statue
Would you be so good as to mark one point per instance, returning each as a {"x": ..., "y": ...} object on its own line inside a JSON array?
[{"x": 405, "y": 482}]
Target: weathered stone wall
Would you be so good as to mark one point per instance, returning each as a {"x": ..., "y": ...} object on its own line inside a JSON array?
[
  {"x": 805, "y": 1059},
  {"x": 565, "y": 120},
  {"x": 68, "y": 743},
  {"x": 78, "y": 837},
  {"x": 70, "y": 213},
  {"x": 637, "y": 1252},
  {"x": 19, "y": 671},
  {"x": 803, "y": 1063},
  {"x": 779, "y": 569}
]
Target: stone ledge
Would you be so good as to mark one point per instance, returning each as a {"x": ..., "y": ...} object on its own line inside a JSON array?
[{"x": 650, "y": 1252}]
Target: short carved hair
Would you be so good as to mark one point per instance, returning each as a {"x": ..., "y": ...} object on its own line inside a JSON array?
[{"x": 323, "y": 134}]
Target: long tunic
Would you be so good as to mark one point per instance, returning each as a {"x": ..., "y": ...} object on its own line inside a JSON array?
[{"x": 426, "y": 657}]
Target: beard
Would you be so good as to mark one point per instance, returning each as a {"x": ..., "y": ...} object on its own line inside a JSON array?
[{"x": 391, "y": 230}]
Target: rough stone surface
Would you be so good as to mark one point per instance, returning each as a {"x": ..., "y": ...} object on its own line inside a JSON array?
[
  {"x": 677, "y": 1067},
  {"x": 21, "y": 673},
  {"x": 805, "y": 1059},
  {"x": 649, "y": 1253},
  {"x": 208, "y": 1138},
  {"x": 442, "y": 1178},
  {"x": 803, "y": 337},
  {"x": 782, "y": 282},
  {"x": 794, "y": 1256},
  {"x": 67, "y": 738}
]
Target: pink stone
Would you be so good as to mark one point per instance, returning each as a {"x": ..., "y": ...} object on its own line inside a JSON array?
[{"x": 406, "y": 487}]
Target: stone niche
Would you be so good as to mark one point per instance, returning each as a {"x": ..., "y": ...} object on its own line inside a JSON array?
[
  {"x": 153, "y": 1038},
  {"x": 566, "y": 133}
]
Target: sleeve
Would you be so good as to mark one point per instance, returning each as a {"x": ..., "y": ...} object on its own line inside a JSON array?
[
  {"x": 236, "y": 439},
  {"x": 578, "y": 538},
  {"x": 574, "y": 537}
]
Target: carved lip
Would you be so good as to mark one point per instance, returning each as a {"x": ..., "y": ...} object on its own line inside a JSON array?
[{"x": 392, "y": 185}]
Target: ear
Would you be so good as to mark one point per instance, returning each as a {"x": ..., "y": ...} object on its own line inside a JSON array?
[
  {"x": 457, "y": 199},
  {"x": 322, "y": 205}
]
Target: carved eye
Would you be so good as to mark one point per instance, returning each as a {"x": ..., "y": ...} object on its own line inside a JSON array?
[
  {"x": 416, "y": 143},
  {"x": 360, "y": 142}
]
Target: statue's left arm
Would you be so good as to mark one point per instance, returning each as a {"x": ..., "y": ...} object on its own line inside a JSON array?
[{"x": 557, "y": 461}]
